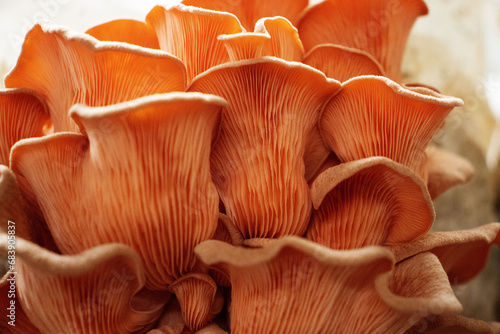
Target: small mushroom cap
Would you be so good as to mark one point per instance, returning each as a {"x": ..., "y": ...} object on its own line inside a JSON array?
[
  {"x": 380, "y": 28},
  {"x": 445, "y": 170},
  {"x": 374, "y": 116},
  {"x": 127, "y": 31},
  {"x": 369, "y": 202},
  {"x": 463, "y": 254},
  {"x": 23, "y": 114},
  {"x": 142, "y": 167},
  {"x": 68, "y": 68},
  {"x": 249, "y": 11},
  {"x": 190, "y": 34},
  {"x": 331, "y": 290},
  {"x": 97, "y": 291},
  {"x": 341, "y": 62},
  {"x": 273, "y": 36},
  {"x": 258, "y": 160}
]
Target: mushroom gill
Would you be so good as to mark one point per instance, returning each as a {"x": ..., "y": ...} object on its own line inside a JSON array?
[
  {"x": 97, "y": 291},
  {"x": 23, "y": 114},
  {"x": 374, "y": 116},
  {"x": 69, "y": 68},
  {"x": 359, "y": 290},
  {"x": 139, "y": 175},
  {"x": 249, "y": 11},
  {"x": 380, "y": 28},
  {"x": 190, "y": 33},
  {"x": 257, "y": 162},
  {"x": 372, "y": 201},
  {"x": 127, "y": 31}
]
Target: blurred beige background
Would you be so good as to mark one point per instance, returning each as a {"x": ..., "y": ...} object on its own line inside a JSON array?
[{"x": 456, "y": 48}]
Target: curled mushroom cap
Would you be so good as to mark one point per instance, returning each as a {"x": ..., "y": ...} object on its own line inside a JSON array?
[
  {"x": 341, "y": 62},
  {"x": 445, "y": 170},
  {"x": 257, "y": 162},
  {"x": 127, "y": 31},
  {"x": 97, "y": 291},
  {"x": 140, "y": 176},
  {"x": 23, "y": 114},
  {"x": 369, "y": 202},
  {"x": 68, "y": 68},
  {"x": 374, "y": 116},
  {"x": 273, "y": 36},
  {"x": 190, "y": 33},
  {"x": 463, "y": 254},
  {"x": 330, "y": 290},
  {"x": 249, "y": 11},
  {"x": 380, "y": 28}
]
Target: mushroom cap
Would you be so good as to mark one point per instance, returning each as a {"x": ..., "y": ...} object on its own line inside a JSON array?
[
  {"x": 454, "y": 324},
  {"x": 127, "y": 31},
  {"x": 341, "y": 62},
  {"x": 97, "y": 291},
  {"x": 258, "y": 160},
  {"x": 463, "y": 254},
  {"x": 249, "y": 11},
  {"x": 374, "y": 116},
  {"x": 273, "y": 36},
  {"x": 445, "y": 170},
  {"x": 190, "y": 33},
  {"x": 140, "y": 175},
  {"x": 369, "y": 202},
  {"x": 23, "y": 114},
  {"x": 68, "y": 68},
  {"x": 331, "y": 290},
  {"x": 380, "y": 28}
]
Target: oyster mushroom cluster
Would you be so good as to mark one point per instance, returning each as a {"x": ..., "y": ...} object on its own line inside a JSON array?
[{"x": 230, "y": 167}]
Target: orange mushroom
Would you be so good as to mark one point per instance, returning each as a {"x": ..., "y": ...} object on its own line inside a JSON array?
[
  {"x": 257, "y": 162},
  {"x": 23, "y": 114},
  {"x": 249, "y": 11},
  {"x": 445, "y": 170},
  {"x": 374, "y": 116},
  {"x": 331, "y": 290},
  {"x": 341, "y": 62},
  {"x": 380, "y": 28},
  {"x": 68, "y": 68},
  {"x": 463, "y": 254},
  {"x": 127, "y": 31},
  {"x": 190, "y": 33},
  {"x": 139, "y": 175},
  {"x": 97, "y": 291},
  {"x": 369, "y": 202},
  {"x": 273, "y": 36}
]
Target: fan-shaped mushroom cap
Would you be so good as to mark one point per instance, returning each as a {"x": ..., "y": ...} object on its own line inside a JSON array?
[
  {"x": 374, "y": 116},
  {"x": 23, "y": 114},
  {"x": 140, "y": 176},
  {"x": 369, "y": 202},
  {"x": 380, "y": 28},
  {"x": 196, "y": 293},
  {"x": 341, "y": 62},
  {"x": 445, "y": 170},
  {"x": 127, "y": 31},
  {"x": 97, "y": 291},
  {"x": 330, "y": 290},
  {"x": 190, "y": 33},
  {"x": 463, "y": 254},
  {"x": 249, "y": 11},
  {"x": 273, "y": 36},
  {"x": 454, "y": 324},
  {"x": 68, "y": 68},
  {"x": 257, "y": 162}
]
